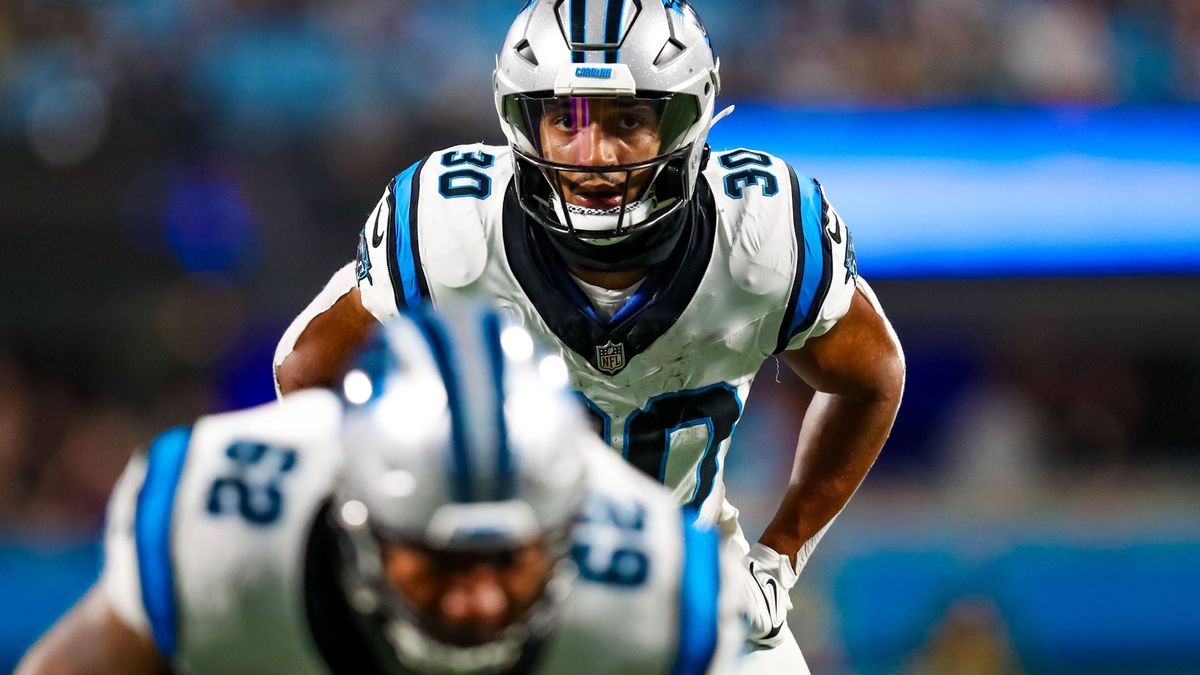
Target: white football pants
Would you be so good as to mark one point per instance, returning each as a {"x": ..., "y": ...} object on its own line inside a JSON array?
[{"x": 784, "y": 659}]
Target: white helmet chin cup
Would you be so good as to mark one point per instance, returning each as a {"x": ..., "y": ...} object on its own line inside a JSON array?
[
  {"x": 572, "y": 49},
  {"x": 598, "y": 225}
]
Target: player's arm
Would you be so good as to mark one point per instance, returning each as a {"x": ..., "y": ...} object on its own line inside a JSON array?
[
  {"x": 324, "y": 340},
  {"x": 835, "y": 336},
  {"x": 91, "y": 638},
  {"x": 317, "y": 345},
  {"x": 108, "y": 631},
  {"x": 857, "y": 369}
]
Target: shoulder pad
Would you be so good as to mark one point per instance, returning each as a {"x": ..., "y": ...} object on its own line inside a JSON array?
[
  {"x": 193, "y": 524},
  {"x": 753, "y": 194},
  {"x": 784, "y": 239},
  {"x": 296, "y": 418},
  {"x": 650, "y": 595},
  {"x": 432, "y": 225},
  {"x": 465, "y": 187}
]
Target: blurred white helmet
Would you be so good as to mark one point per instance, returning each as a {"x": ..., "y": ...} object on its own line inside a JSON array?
[
  {"x": 582, "y": 60},
  {"x": 459, "y": 436}
]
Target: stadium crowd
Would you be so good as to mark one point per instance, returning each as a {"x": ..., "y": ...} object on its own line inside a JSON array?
[
  {"x": 153, "y": 101},
  {"x": 179, "y": 176}
]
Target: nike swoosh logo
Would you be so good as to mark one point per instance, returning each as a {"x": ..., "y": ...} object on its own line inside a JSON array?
[
  {"x": 774, "y": 610},
  {"x": 836, "y": 233},
  {"x": 376, "y": 237},
  {"x": 772, "y": 605}
]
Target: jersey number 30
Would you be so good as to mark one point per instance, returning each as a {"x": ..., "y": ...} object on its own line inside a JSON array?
[
  {"x": 466, "y": 182},
  {"x": 648, "y": 431}
]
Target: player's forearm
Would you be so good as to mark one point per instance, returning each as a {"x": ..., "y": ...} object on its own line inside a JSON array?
[
  {"x": 324, "y": 345},
  {"x": 858, "y": 371},
  {"x": 839, "y": 442},
  {"x": 90, "y": 639}
]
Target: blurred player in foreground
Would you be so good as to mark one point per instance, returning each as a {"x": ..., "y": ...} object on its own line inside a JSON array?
[
  {"x": 449, "y": 513},
  {"x": 665, "y": 276}
]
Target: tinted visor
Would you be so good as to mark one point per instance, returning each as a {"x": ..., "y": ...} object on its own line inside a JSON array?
[{"x": 600, "y": 130}]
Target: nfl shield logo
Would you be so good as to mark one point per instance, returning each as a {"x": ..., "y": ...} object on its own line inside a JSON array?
[{"x": 610, "y": 358}]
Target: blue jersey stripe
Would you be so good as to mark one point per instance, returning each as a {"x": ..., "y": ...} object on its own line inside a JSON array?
[
  {"x": 404, "y": 225},
  {"x": 814, "y": 265},
  {"x": 152, "y": 535},
  {"x": 700, "y": 588}
]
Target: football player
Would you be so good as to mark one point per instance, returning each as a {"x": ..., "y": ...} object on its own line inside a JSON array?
[
  {"x": 665, "y": 274},
  {"x": 449, "y": 513}
]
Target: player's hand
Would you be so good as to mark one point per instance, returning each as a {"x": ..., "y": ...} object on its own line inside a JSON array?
[{"x": 768, "y": 576}]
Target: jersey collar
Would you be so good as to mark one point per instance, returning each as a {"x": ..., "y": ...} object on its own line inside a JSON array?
[{"x": 610, "y": 345}]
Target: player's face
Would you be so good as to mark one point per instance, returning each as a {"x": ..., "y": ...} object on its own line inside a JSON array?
[
  {"x": 601, "y": 133},
  {"x": 467, "y": 599}
]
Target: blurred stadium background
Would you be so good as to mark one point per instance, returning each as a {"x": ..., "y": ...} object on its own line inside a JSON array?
[{"x": 178, "y": 177}]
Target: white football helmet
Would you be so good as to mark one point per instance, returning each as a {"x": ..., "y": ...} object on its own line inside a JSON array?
[
  {"x": 578, "y": 60},
  {"x": 459, "y": 437}
]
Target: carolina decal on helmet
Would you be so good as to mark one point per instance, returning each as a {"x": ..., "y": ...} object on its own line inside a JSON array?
[{"x": 595, "y": 73}]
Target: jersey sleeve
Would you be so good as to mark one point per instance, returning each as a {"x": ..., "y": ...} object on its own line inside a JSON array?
[
  {"x": 388, "y": 267},
  {"x": 119, "y": 580},
  {"x": 138, "y": 576},
  {"x": 826, "y": 267}
]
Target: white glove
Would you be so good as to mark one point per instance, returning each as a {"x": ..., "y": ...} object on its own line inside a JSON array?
[{"x": 768, "y": 577}]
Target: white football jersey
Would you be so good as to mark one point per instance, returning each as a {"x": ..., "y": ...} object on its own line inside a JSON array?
[
  {"x": 764, "y": 264},
  {"x": 220, "y": 547}
]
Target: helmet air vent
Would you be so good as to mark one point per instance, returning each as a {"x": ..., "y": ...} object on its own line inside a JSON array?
[
  {"x": 670, "y": 51},
  {"x": 525, "y": 51}
]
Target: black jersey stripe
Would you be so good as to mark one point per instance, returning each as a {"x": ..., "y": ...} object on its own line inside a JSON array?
[
  {"x": 409, "y": 285},
  {"x": 811, "y": 284}
]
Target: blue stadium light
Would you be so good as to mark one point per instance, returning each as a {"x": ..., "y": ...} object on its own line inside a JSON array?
[{"x": 999, "y": 191}]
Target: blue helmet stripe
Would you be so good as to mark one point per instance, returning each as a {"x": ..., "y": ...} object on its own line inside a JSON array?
[
  {"x": 376, "y": 360},
  {"x": 700, "y": 586},
  {"x": 152, "y": 535},
  {"x": 459, "y": 459},
  {"x": 612, "y": 28},
  {"x": 505, "y": 479},
  {"x": 578, "y": 28}
]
